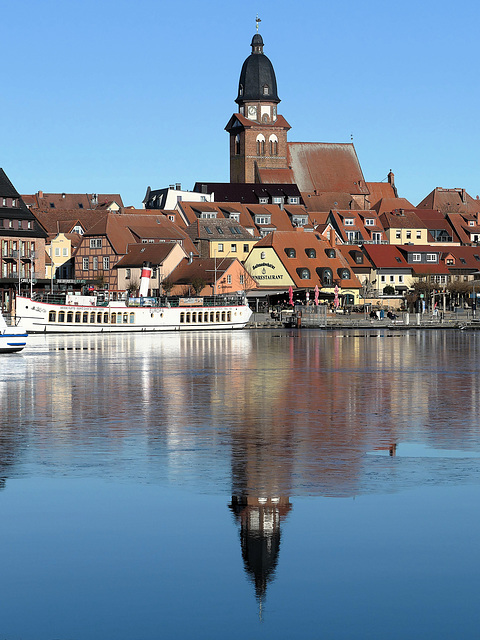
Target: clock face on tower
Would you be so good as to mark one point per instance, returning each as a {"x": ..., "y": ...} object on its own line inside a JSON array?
[{"x": 252, "y": 111}]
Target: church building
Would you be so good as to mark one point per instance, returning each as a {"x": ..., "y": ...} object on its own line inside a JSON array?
[{"x": 328, "y": 175}]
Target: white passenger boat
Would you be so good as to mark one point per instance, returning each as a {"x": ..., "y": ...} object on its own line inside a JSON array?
[
  {"x": 12, "y": 339},
  {"x": 97, "y": 313}
]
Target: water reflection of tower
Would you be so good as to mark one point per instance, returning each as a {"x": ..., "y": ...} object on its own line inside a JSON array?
[{"x": 259, "y": 520}]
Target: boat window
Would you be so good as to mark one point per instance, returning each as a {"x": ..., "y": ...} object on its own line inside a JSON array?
[
  {"x": 212, "y": 316},
  {"x": 188, "y": 317},
  {"x": 200, "y": 316},
  {"x": 119, "y": 318},
  {"x": 61, "y": 316},
  {"x": 205, "y": 316},
  {"x": 125, "y": 318},
  {"x": 85, "y": 316},
  {"x": 229, "y": 316},
  {"x": 194, "y": 316},
  {"x": 92, "y": 317},
  {"x": 217, "y": 316},
  {"x": 132, "y": 318},
  {"x": 78, "y": 316},
  {"x": 223, "y": 316},
  {"x": 182, "y": 317},
  {"x": 113, "y": 318},
  {"x": 105, "y": 318},
  {"x": 99, "y": 318},
  {"x": 52, "y": 316},
  {"x": 69, "y": 316}
]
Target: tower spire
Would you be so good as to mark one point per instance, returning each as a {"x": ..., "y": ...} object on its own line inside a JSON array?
[{"x": 257, "y": 20}]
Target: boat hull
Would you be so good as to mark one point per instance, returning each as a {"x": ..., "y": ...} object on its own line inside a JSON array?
[
  {"x": 43, "y": 317},
  {"x": 12, "y": 342}
]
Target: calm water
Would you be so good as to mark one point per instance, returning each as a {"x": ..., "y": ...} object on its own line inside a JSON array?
[{"x": 261, "y": 484}]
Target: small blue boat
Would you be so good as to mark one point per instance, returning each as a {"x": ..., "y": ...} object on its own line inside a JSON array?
[{"x": 12, "y": 339}]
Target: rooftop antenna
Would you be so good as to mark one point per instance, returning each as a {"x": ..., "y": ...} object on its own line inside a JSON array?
[{"x": 257, "y": 20}]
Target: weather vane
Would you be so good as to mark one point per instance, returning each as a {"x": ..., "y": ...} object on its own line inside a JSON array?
[{"x": 257, "y": 20}]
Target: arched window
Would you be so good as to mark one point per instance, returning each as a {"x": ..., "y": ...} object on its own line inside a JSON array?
[
  {"x": 311, "y": 253},
  {"x": 291, "y": 253},
  {"x": 237, "y": 144},
  {"x": 265, "y": 89},
  {"x": 330, "y": 253},
  {"x": 326, "y": 276},
  {"x": 273, "y": 145},
  {"x": 265, "y": 118},
  {"x": 260, "y": 145},
  {"x": 262, "y": 255},
  {"x": 344, "y": 274}
]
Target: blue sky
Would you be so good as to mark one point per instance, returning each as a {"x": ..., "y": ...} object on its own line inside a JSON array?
[{"x": 104, "y": 96}]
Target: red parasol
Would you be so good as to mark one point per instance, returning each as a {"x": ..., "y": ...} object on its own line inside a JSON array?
[
  {"x": 336, "y": 301},
  {"x": 290, "y": 296},
  {"x": 316, "y": 294}
]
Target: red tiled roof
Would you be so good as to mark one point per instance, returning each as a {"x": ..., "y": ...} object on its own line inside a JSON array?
[
  {"x": 379, "y": 190},
  {"x": 326, "y": 167},
  {"x": 140, "y": 253},
  {"x": 450, "y": 201},
  {"x": 387, "y": 205}
]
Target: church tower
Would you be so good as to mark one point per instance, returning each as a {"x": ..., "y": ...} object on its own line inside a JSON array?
[{"x": 258, "y": 134}]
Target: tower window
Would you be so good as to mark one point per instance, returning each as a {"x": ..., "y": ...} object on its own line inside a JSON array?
[
  {"x": 237, "y": 144},
  {"x": 265, "y": 89},
  {"x": 240, "y": 90}
]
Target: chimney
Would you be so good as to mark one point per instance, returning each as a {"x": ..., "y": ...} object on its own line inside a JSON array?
[
  {"x": 190, "y": 258},
  {"x": 40, "y": 194},
  {"x": 463, "y": 196},
  {"x": 63, "y": 196},
  {"x": 391, "y": 178},
  {"x": 178, "y": 186}
]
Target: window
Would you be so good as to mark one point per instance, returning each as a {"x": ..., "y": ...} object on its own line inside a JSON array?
[
  {"x": 220, "y": 230},
  {"x": 57, "y": 251},
  {"x": 463, "y": 261},
  {"x": 262, "y": 219},
  {"x": 431, "y": 257},
  {"x": 409, "y": 235},
  {"x": 14, "y": 203},
  {"x": 450, "y": 261},
  {"x": 348, "y": 222},
  {"x": 330, "y": 253},
  {"x": 398, "y": 234},
  {"x": 273, "y": 145},
  {"x": 383, "y": 278},
  {"x": 376, "y": 237},
  {"x": 237, "y": 145},
  {"x": 65, "y": 252},
  {"x": 369, "y": 222},
  {"x": 416, "y": 257},
  {"x": 95, "y": 243},
  {"x": 471, "y": 223},
  {"x": 262, "y": 255},
  {"x": 19, "y": 224},
  {"x": 128, "y": 274},
  {"x": 265, "y": 89},
  {"x": 392, "y": 278},
  {"x": 277, "y": 200},
  {"x": 85, "y": 264},
  {"x": 311, "y": 253},
  {"x": 260, "y": 145},
  {"x": 419, "y": 235},
  {"x": 95, "y": 263},
  {"x": 293, "y": 200},
  {"x": 263, "y": 201},
  {"x": 29, "y": 224},
  {"x": 246, "y": 248},
  {"x": 233, "y": 248},
  {"x": 304, "y": 274},
  {"x": 106, "y": 263},
  {"x": 242, "y": 278},
  {"x": 229, "y": 279},
  {"x": 220, "y": 247},
  {"x": 400, "y": 279},
  {"x": 344, "y": 274},
  {"x": 291, "y": 253}
]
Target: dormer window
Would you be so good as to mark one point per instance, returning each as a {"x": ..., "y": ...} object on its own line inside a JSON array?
[
  {"x": 348, "y": 222},
  {"x": 326, "y": 276},
  {"x": 263, "y": 201},
  {"x": 311, "y": 253},
  {"x": 265, "y": 90},
  {"x": 14, "y": 203},
  {"x": 293, "y": 200},
  {"x": 344, "y": 274},
  {"x": 234, "y": 216},
  {"x": 291, "y": 253},
  {"x": 369, "y": 222},
  {"x": 330, "y": 253},
  {"x": 304, "y": 274},
  {"x": 262, "y": 219},
  {"x": 471, "y": 223},
  {"x": 240, "y": 90}
]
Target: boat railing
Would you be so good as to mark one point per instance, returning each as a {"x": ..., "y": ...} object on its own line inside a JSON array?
[{"x": 163, "y": 301}]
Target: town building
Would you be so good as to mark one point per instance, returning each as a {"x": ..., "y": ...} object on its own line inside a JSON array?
[
  {"x": 85, "y": 201},
  {"x": 221, "y": 237},
  {"x": 22, "y": 238}
]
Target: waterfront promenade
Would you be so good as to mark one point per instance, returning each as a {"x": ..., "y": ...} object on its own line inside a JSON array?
[{"x": 460, "y": 320}]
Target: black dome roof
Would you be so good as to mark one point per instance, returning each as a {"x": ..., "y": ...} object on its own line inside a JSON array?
[{"x": 257, "y": 73}]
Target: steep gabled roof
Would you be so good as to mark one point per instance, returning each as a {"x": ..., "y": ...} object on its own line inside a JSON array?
[
  {"x": 302, "y": 242},
  {"x": 404, "y": 219},
  {"x": 320, "y": 167},
  {"x": 450, "y": 201},
  {"x": 139, "y": 253}
]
